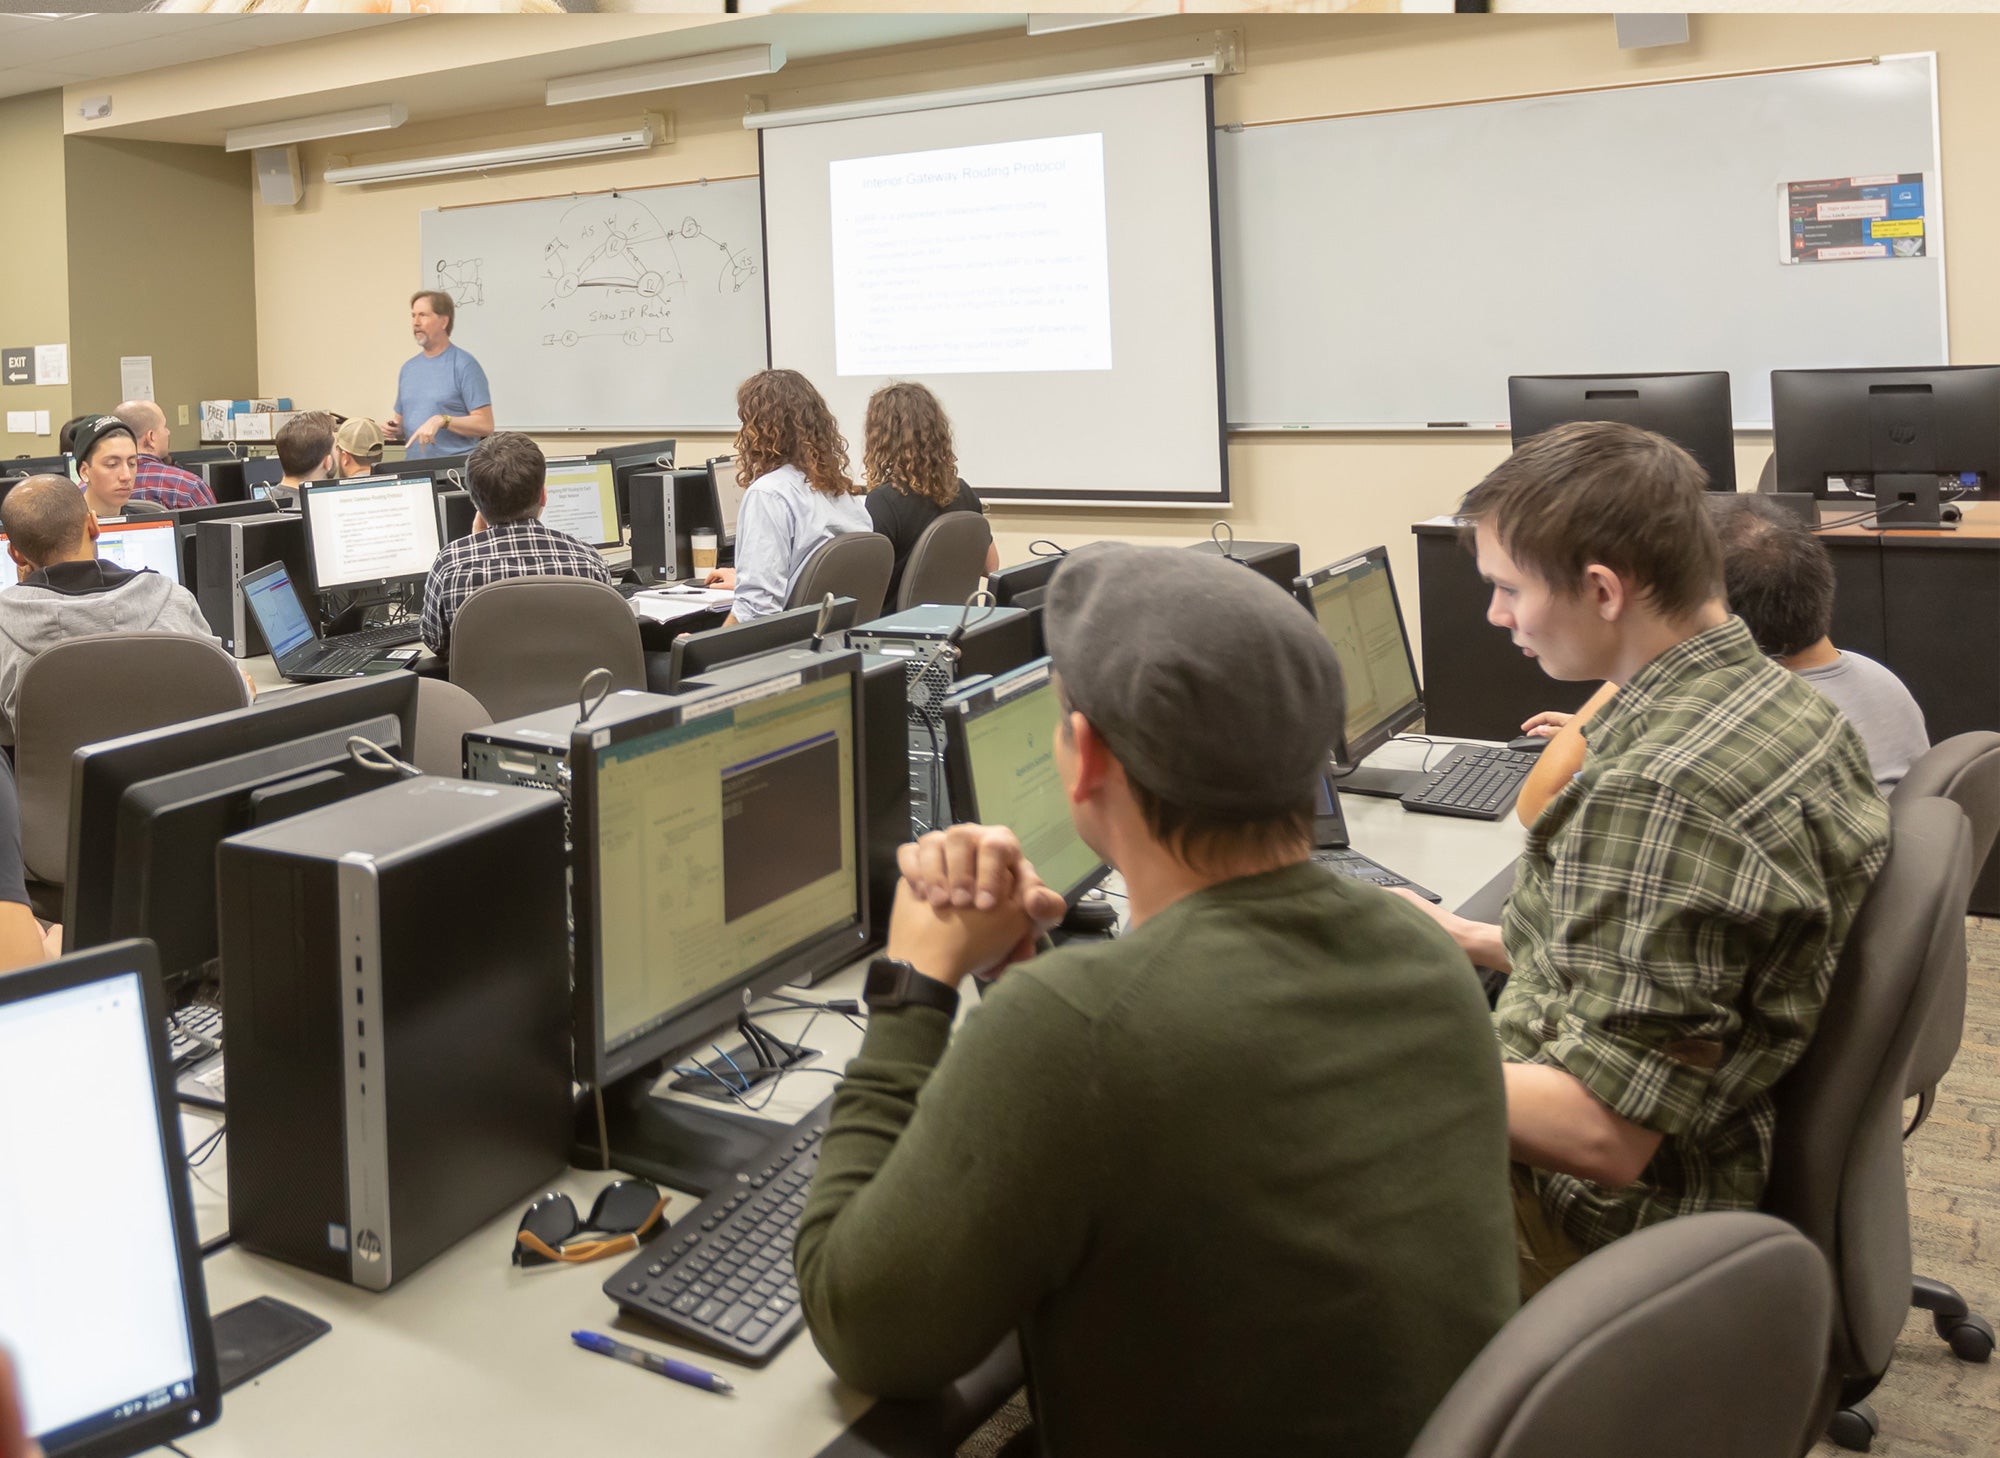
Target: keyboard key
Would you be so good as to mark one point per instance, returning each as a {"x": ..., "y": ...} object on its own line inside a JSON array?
[
  {"x": 733, "y": 1318},
  {"x": 751, "y": 1331},
  {"x": 707, "y": 1312}
]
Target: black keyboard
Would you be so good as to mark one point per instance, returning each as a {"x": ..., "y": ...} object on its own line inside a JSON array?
[
  {"x": 389, "y": 635},
  {"x": 338, "y": 658},
  {"x": 1471, "y": 781},
  {"x": 721, "y": 1277},
  {"x": 193, "y": 1034},
  {"x": 1360, "y": 868}
]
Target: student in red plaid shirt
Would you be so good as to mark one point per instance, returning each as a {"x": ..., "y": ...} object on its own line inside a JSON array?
[{"x": 156, "y": 479}]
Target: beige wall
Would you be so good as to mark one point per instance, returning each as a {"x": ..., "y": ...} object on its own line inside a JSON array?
[
  {"x": 34, "y": 280},
  {"x": 160, "y": 264},
  {"x": 355, "y": 251}
]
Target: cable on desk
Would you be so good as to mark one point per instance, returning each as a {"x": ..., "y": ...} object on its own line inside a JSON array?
[
  {"x": 174, "y": 1448},
  {"x": 199, "y": 1155},
  {"x": 215, "y": 1243}
]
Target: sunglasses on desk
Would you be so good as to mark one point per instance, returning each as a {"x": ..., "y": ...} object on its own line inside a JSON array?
[{"x": 625, "y": 1213}]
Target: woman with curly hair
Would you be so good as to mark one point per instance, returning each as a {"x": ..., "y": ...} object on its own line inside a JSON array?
[
  {"x": 912, "y": 471},
  {"x": 793, "y": 455}
]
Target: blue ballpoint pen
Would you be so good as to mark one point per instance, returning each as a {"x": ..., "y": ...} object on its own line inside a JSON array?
[{"x": 592, "y": 1341}]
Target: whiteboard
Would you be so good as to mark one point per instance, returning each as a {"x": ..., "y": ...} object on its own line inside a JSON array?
[
  {"x": 1393, "y": 270},
  {"x": 637, "y": 310}
]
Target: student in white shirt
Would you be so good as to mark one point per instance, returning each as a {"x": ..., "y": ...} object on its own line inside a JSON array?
[{"x": 792, "y": 453}]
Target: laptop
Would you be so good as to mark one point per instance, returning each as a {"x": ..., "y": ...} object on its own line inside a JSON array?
[
  {"x": 1333, "y": 852},
  {"x": 302, "y": 655}
]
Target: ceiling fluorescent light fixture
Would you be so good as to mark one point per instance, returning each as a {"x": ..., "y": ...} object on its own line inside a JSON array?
[
  {"x": 610, "y": 144},
  {"x": 1000, "y": 91},
  {"x": 312, "y": 128},
  {"x": 664, "y": 75}
]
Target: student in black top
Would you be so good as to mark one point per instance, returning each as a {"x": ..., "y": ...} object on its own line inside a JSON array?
[{"x": 912, "y": 471}]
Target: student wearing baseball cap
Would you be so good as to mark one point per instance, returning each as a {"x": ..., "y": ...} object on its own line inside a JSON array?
[
  {"x": 1258, "y": 1141},
  {"x": 357, "y": 447}
]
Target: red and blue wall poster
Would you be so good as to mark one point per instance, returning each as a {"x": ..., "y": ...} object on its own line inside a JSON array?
[{"x": 1856, "y": 217}]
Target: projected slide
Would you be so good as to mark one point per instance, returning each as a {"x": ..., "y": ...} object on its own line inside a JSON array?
[{"x": 987, "y": 259}]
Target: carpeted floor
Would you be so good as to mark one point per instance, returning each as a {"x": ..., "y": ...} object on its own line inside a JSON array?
[{"x": 1931, "y": 1405}]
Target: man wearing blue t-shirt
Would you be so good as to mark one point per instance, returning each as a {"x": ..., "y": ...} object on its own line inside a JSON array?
[{"x": 443, "y": 405}]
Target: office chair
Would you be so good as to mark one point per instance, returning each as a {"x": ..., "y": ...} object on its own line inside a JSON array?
[
  {"x": 1837, "y": 1159},
  {"x": 1965, "y": 770},
  {"x": 137, "y": 510},
  {"x": 947, "y": 561},
  {"x": 524, "y": 645},
  {"x": 89, "y": 689},
  {"x": 1579, "y": 1372},
  {"x": 444, "y": 713},
  {"x": 853, "y": 564}
]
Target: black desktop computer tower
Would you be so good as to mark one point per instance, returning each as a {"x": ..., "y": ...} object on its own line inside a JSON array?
[
  {"x": 1278, "y": 561},
  {"x": 224, "y": 551},
  {"x": 667, "y": 506},
  {"x": 396, "y": 996}
]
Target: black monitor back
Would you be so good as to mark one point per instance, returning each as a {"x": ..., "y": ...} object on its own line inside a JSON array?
[
  {"x": 694, "y": 654},
  {"x": 1834, "y": 430},
  {"x": 1691, "y": 409},
  {"x": 1278, "y": 561},
  {"x": 1025, "y": 584}
]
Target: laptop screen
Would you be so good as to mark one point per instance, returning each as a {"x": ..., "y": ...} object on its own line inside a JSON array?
[
  {"x": 136, "y": 545},
  {"x": 281, "y": 617},
  {"x": 97, "y": 1311}
]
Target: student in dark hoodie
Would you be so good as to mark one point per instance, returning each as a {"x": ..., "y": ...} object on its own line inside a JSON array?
[{"x": 66, "y": 591}]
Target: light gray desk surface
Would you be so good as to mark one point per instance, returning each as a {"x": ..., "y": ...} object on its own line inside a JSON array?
[{"x": 470, "y": 1355}]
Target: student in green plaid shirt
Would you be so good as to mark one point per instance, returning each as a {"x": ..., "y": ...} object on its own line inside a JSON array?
[{"x": 1680, "y": 904}]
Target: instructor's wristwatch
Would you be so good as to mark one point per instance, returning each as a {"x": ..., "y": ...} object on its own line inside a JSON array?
[{"x": 893, "y": 983}]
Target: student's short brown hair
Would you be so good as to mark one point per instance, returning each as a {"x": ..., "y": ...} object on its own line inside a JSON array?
[
  {"x": 1612, "y": 495},
  {"x": 504, "y": 475},
  {"x": 44, "y": 516},
  {"x": 304, "y": 442}
]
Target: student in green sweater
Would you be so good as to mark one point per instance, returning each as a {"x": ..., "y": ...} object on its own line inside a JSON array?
[{"x": 1239, "y": 1177}]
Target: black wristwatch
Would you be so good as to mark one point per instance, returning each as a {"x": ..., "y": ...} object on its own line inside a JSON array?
[{"x": 893, "y": 983}]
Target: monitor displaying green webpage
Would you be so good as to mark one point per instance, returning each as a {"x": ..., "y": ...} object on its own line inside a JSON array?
[
  {"x": 1356, "y": 609},
  {"x": 1011, "y": 756},
  {"x": 721, "y": 843}
]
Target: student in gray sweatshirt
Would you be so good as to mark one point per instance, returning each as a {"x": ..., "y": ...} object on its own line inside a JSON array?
[{"x": 66, "y": 591}]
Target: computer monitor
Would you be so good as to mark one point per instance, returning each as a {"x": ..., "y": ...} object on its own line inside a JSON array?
[
  {"x": 1835, "y": 431},
  {"x": 1278, "y": 561},
  {"x": 188, "y": 460},
  {"x": 727, "y": 496},
  {"x": 106, "y": 1313},
  {"x": 581, "y": 501},
  {"x": 455, "y": 515},
  {"x": 260, "y": 471},
  {"x": 1000, "y": 769},
  {"x": 1357, "y": 608},
  {"x": 447, "y": 471},
  {"x": 632, "y": 457},
  {"x": 8, "y": 483},
  {"x": 41, "y": 466},
  {"x": 1692, "y": 410},
  {"x": 370, "y": 531},
  {"x": 228, "y": 479},
  {"x": 694, "y": 654},
  {"x": 719, "y": 853},
  {"x": 148, "y": 810},
  {"x": 151, "y": 542},
  {"x": 1025, "y": 584}
]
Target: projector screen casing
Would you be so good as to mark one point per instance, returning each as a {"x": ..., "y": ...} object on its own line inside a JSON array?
[{"x": 1146, "y": 432}]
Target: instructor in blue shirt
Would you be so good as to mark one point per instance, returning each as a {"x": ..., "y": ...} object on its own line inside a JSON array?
[{"x": 443, "y": 405}]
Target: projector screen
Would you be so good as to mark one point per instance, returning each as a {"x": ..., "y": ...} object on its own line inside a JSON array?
[{"x": 1046, "y": 266}]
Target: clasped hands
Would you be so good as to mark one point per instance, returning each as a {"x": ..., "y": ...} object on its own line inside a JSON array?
[{"x": 969, "y": 904}]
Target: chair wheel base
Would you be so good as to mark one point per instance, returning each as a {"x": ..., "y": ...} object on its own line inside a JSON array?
[
  {"x": 1970, "y": 1337},
  {"x": 1854, "y": 1428}
]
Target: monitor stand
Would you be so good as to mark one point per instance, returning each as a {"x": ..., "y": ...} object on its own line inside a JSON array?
[
  {"x": 667, "y": 1140},
  {"x": 1384, "y": 784},
  {"x": 1909, "y": 503}
]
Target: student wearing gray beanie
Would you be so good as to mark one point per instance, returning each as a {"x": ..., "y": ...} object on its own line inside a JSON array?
[{"x": 1259, "y": 1138}]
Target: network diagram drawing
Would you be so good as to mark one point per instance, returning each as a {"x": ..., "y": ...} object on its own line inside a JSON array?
[
  {"x": 614, "y": 271},
  {"x": 460, "y": 278}
]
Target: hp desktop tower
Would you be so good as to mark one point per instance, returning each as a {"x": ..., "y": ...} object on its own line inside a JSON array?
[
  {"x": 226, "y": 549},
  {"x": 667, "y": 507},
  {"x": 396, "y": 993}
]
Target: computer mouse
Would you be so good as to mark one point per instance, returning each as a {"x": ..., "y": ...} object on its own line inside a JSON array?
[{"x": 1528, "y": 744}]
